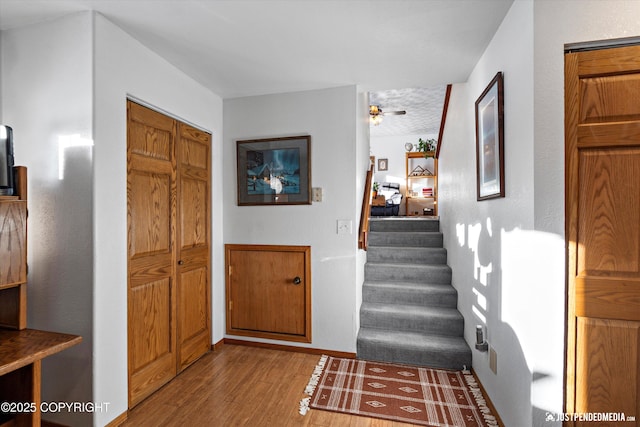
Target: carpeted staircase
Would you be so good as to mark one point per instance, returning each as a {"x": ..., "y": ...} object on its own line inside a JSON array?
[{"x": 409, "y": 309}]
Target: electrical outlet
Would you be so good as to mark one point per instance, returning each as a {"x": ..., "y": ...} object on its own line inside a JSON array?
[
  {"x": 345, "y": 226},
  {"x": 493, "y": 360}
]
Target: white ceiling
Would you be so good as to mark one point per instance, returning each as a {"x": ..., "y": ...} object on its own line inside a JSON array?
[
  {"x": 253, "y": 47},
  {"x": 423, "y": 107}
]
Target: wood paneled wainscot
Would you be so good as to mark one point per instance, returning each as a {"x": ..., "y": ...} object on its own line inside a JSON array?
[{"x": 269, "y": 291}]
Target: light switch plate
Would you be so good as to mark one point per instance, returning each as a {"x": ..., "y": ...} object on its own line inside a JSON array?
[
  {"x": 316, "y": 194},
  {"x": 345, "y": 226}
]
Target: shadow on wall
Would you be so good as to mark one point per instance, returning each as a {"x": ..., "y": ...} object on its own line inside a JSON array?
[
  {"x": 60, "y": 290},
  {"x": 500, "y": 292}
]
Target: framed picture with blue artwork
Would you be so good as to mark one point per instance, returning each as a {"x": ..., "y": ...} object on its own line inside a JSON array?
[
  {"x": 490, "y": 140},
  {"x": 274, "y": 171}
]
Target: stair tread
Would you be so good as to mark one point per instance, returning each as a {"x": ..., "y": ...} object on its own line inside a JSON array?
[
  {"x": 409, "y": 265},
  {"x": 405, "y": 218},
  {"x": 407, "y": 251},
  {"x": 414, "y": 248},
  {"x": 405, "y": 239},
  {"x": 410, "y": 232},
  {"x": 411, "y": 310},
  {"x": 423, "y": 294},
  {"x": 403, "y": 223},
  {"x": 427, "y": 343},
  {"x": 428, "y": 287},
  {"x": 412, "y": 338}
]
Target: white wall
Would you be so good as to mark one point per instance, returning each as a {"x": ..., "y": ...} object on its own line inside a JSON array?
[
  {"x": 558, "y": 23},
  {"x": 46, "y": 94},
  {"x": 329, "y": 116},
  {"x": 48, "y": 87},
  {"x": 125, "y": 67},
  {"x": 493, "y": 245},
  {"x": 516, "y": 272}
]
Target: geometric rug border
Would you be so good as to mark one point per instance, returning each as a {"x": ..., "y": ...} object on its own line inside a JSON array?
[{"x": 477, "y": 398}]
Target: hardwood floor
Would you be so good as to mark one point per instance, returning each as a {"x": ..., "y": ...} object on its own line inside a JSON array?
[{"x": 241, "y": 386}]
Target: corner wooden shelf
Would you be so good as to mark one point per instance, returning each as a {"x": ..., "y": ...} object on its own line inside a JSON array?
[
  {"x": 427, "y": 180},
  {"x": 21, "y": 349}
]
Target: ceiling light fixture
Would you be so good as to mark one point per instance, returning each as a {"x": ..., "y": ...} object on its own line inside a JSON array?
[{"x": 376, "y": 114}]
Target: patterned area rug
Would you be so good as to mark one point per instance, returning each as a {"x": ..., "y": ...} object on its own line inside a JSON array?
[{"x": 430, "y": 397}]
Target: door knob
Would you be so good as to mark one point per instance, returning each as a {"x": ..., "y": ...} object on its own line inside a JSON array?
[
  {"x": 180, "y": 262},
  {"x": 296, "y": 280}
]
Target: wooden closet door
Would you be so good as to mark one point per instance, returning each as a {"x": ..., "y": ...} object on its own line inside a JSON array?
[
  {"x": 151, "y": 219},
  {"x": 194, "y": 230},
  {"x": 602, "y": 92}
]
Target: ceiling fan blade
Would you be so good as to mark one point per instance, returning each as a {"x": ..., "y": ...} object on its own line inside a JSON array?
[{"x": 394, "y": 113}]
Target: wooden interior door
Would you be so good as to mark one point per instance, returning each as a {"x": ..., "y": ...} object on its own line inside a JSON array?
[
  {"x": 151, "y": 219},
  {"x": 269, "y": 291},
  {"x": 194, "y": 230},
  {"x": 602, "y": 95}
]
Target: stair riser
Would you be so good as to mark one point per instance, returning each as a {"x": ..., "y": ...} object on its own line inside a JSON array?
[
  {"x": 407, "y": 273},
  {"x": 446, "y": 298},
  {"x": 407, "y": 322},
  {"x": 404, "y": 225},
  {"x": 444, "y": 358},
  {"x": 419, "y": 240},
  {"x": 407, "y": 255}
]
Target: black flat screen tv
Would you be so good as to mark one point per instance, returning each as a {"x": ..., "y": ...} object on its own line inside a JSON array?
[{"x": 6, "y": 161}]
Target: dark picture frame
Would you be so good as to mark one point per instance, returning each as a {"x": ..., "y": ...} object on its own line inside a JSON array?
[
  {"x": 383, "y": 164},
  {"x": 274, "y": 171},
  {"x": 490, "y": 140}
]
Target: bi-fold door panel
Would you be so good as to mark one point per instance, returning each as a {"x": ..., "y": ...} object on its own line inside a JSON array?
[
  {"x": 151, "y": 186},
  {"x": 194, "y": 229},
  {"x": 603, "y": 231}
]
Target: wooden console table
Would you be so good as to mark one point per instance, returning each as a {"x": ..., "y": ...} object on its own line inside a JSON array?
[{"x": 21, "y": 354}]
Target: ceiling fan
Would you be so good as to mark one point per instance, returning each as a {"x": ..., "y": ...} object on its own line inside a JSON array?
[{"x": 376, "y": 114}]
